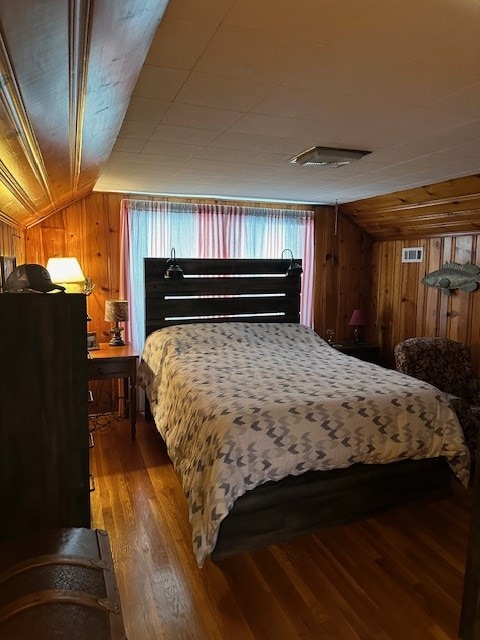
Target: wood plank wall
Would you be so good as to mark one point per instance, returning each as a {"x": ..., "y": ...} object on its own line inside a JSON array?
[
  {"x": 12, "y": 242},
  {"x": 444, "y": 219},
  {"x": 343, "y": 254},
  {"x": 90, "y": 231},
  {"x": 404, "y": 307}
]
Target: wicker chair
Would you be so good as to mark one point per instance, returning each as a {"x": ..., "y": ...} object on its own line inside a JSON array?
[{"x": 445, "y": 364}]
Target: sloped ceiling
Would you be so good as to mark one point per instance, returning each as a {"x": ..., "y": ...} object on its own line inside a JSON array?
[
  {"x": 446, "y": 208},
  {"x": 68, "y": 69},
  {"x": 229, "y": 92}
]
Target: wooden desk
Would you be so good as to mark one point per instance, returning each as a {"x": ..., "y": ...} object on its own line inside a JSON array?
[{"x": 109, "y": 362}]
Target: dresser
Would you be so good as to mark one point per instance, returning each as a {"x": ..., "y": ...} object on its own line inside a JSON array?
[{"x": 44, "y": 438}]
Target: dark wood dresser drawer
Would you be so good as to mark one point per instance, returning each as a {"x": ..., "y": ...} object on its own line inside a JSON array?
[
  {"x": 59, "y": 584},
  {"x": 98, "y": 369}
]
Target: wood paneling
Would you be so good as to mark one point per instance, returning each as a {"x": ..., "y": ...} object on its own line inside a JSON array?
[
  {"x": 88, "y": 230},
  {"x": 444, "y": 218},
  {"x": 446, "y": 208},
  {"x": 12, "y": 242},
  {"x": 342, "y": 272},
  {"x": 406, "y": 308}
]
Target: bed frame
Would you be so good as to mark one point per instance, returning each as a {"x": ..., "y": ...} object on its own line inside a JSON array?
[
  {"x": 220, "y": 291},
  {"x": 216, "y": 290}
]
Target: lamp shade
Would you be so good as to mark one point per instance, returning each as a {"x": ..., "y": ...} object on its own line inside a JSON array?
[
  {"x": 359, "y": 318},
  {"x": 116, "y": 310},
  {"x": 294, "y": 268},
  {"x": 65, "y": 270},
  {"x": 174, "y": 270}
]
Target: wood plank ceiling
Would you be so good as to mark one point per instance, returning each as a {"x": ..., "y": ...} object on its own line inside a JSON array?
[
  {"x": 67, "y": 71},
  {"x": 446, "y": 208}
]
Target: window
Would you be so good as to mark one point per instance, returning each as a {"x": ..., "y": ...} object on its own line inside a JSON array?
[{"x": 152, "y": 228}]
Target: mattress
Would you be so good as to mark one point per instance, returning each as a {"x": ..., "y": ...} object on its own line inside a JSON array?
[{"x": 240, "y": 404}]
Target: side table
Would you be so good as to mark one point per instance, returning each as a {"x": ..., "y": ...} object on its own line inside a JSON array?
[
  {"x": 361, "y": 350},
  {"x": 109, "y": 362}
]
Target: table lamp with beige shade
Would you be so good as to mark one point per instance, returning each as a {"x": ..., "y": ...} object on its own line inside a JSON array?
[
  {"x": 116, "y": 311},
  {"x": 67, "y": 272}
]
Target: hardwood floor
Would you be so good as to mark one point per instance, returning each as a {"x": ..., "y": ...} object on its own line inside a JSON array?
[{"x": 398, "y": 576}]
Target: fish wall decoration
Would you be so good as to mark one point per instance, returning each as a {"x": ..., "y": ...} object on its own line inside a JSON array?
[{"x": 454, "y": 276}]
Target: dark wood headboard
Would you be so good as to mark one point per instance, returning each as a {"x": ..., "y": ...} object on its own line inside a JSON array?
[{"x": 220, "y": 290}]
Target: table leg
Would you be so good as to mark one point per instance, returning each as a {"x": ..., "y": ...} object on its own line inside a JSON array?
[{"x": 133, "y": 408}]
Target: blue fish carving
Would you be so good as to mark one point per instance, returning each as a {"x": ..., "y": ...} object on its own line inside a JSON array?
[{"x": 454, "y": 276}]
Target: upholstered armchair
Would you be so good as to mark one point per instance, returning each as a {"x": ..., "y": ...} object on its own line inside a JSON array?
[{"x": 445, "y": 364}]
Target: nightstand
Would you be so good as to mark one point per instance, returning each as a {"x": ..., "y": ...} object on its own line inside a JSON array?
[
  {"x": 361, "y": 350},
  {"x": 109, "y": 362}
]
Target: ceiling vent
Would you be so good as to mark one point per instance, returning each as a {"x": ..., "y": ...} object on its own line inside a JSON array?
[{"x": 328, "y": 157}]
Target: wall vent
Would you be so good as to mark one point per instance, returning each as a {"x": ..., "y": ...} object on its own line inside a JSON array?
[{"x": 412, "y": 254}]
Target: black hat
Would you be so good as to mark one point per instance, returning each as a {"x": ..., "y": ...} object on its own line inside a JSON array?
[{"x": 30, "y": 277}]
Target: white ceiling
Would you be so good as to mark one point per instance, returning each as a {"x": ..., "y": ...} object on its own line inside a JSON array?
[{"x": 232, "y": 89}]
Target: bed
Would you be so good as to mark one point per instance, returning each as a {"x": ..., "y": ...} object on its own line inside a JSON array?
[{"x": 273, "y": 432}]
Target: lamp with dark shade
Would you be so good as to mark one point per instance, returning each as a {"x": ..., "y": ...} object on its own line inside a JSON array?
[
  {"x": 174, "y": 270},
  {"x": 358, "y": 320},
  {"x": 116, "y": 311},
  {"x": 294, "y": 269}
]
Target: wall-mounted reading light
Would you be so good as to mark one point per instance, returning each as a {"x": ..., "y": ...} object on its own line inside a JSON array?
[
  {"x": 294, "y": 269},
  {"x": 174, "y": 270}
]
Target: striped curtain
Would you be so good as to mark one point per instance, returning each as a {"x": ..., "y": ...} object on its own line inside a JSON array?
[{"x": 151, "y": 228}]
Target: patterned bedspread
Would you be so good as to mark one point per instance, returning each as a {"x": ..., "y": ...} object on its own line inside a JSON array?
[{"x": 239, "y": 404}]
